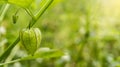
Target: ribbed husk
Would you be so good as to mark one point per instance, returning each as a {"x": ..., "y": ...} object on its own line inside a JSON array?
[{"x": 30, "y": 39}]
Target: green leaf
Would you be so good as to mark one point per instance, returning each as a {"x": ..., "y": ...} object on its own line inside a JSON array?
[
  {"x": 40, "y": 54},
  {"x": 22, "y": 3},
  {"x": 45, "y": 54}
]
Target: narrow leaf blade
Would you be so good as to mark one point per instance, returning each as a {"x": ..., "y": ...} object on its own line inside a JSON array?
[{"x": 45, "y": 55}]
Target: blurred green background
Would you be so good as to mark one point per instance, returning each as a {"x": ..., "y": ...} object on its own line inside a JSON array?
[{"x": 87, "y": 31}]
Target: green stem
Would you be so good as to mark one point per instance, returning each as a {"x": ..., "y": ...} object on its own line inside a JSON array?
[
  {"x": 3, "y": 11},
  {"x": 10, "y": 62},
  {"x": 30, "y": 13},
  {"x": 37, "y": 16},
  {"x": 8, "y": 50},
  {"x": 12, "y": 54},
  {"x": 39, "y": 13},
  {"x": 42, "y": 10}
]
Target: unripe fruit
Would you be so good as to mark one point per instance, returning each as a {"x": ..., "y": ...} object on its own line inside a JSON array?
[{"x": 30, "y": 39}]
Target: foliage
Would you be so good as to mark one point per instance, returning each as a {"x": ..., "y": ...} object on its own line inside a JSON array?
[{"x": 74, "y": 33}]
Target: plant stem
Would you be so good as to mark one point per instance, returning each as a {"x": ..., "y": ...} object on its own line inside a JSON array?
[
  {"x": 8, "y": 50},
  {"x": 30, "y": 13},
  {"x": 39, "y": 13},
  {"x": 12, "y": 54},
  {"x": 42, "y": 10},
  {"x": 10, "y": 62},
  {"x": 37, "y": 16},
  {"x": 3, "y": 11}
]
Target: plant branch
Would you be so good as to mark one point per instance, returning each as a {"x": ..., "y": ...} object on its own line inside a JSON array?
[
  {"x": 30, "y": 13},
  {"x": 3, "y": 11},
  {"x": 52, "y": 53},
  {"x": 10, "y": 62},
  {"x": 39, "y": 13},
  {"x": 42, "y": 10},
  {"x": 8, "y": 50},
  {"x": 37, "y": 16}
]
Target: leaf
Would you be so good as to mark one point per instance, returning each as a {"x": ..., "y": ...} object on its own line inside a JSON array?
[
  {"x": 40, "y": 54},
  {"x": 45, "y": 55},
  {"x": 22, "y": 3}
]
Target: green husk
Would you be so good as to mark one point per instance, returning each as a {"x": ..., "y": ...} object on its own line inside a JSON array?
[{"x": 30, "y": 39}]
